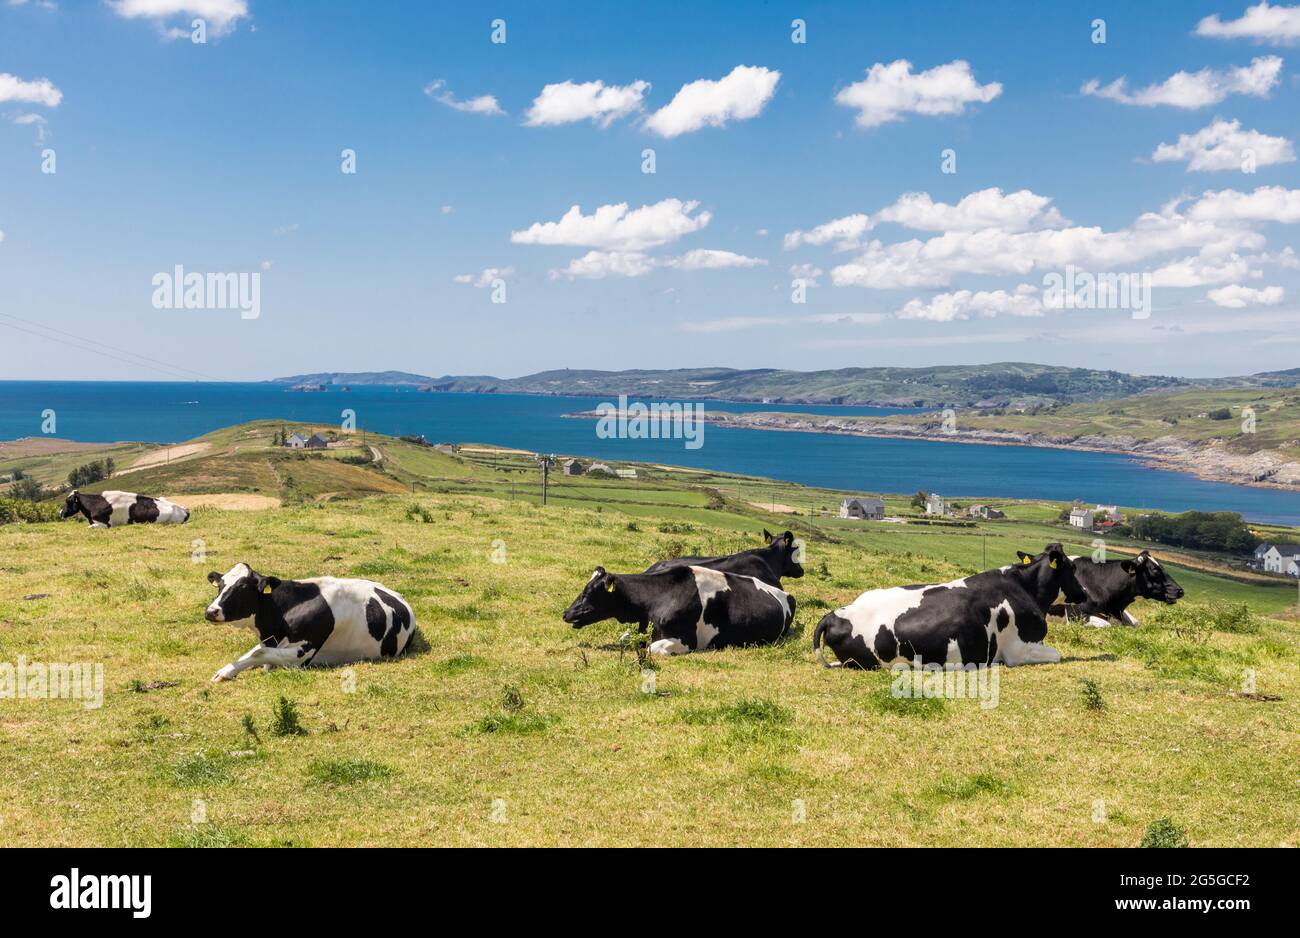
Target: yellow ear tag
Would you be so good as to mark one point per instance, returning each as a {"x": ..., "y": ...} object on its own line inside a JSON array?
[
  {"x": 267, "y": 588},
  {"x": 1133, "y": 572},
  {"x": 1053, "y": 563},
  {"x": 1026, "y": 560},
  {"x": 610, "y": 588}
]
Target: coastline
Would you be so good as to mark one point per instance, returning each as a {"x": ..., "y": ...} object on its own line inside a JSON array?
[{"x": 1208, "y": 462}]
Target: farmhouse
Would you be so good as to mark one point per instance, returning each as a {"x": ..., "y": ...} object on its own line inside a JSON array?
[
  {"x": 935, "y": 505},
  {"x": 317, "y": 442},
  {"x": 1282, "y": 558},
  {"x": 572, "y": 467},
  {"x": 600, "y": 467},
  {"x": 863, "y": 508},
  {"x": 1111, "y": 512},
  {"x": 985, "y": 512},
  {"x": 625, "y": 473},
  {"x": 1082, "y": 518},
  {"x": 297, "y": 441}
]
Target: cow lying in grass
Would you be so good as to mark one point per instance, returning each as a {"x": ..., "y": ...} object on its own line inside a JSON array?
[
  {"x": 768, "y": 564},
  {"x": 303, "y": 622},
  {"x": 687, "y": 608},
  {"x": 995, "y": 616},
  {"x": 113, "y": 509},
  {"x": 1113, "y": 585}
]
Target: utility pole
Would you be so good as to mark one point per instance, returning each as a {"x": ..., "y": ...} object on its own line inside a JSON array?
[{"x": 546, "y": 462}]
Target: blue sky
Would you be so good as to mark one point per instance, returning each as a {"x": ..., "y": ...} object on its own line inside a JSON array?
[{"x": 788, "y": 161}]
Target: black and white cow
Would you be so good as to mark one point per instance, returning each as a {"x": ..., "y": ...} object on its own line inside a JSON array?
[
  {"x": 768, "y": 564},
  {"x": 113, "y": 509},
  {"x": 324, "y": 620},
  {"x": 1113, "y": 585},
  {"x": 995, "y": 616},
  {"x": 687, "y": 608}
]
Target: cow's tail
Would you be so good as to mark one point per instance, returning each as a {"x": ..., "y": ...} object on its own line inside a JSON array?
[{"x": 817, "y": 643}]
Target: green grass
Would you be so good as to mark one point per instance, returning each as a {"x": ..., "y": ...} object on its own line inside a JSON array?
[{"x": 501, "y": 703}]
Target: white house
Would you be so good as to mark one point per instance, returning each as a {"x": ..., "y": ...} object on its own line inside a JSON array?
[
  {"x": 1111, "y": 511},
  {"x": 863, "y": 508},
  {"x": 600, "y": 467},
  {"x": 1282, "y": 558},
  {"x": 625, "y": 473},
  {"x": 297, "y": 441},
  {"x": 1082, "y": 518},
  {"x": 935, "y": 505}
]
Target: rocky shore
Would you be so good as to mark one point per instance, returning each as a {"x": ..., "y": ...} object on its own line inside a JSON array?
[{"x": 1213, "y": 460}]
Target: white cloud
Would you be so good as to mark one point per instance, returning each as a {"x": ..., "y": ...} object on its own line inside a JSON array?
[
  {"x": 987, "y": 208},
  {"x": 568, "y": 102},
  {"x": 615, "y": 228},
  {"x": 597, "y": 265},
  {"x": 1213, "y": 227},
  {"x": 742, "y": 323},
  {"x": 1222, "y": 146},
  {"x": 740, "y": 95},
  {"x": 485, "y": 277},
  {"x": 38, "y": 91},
  {"x": 34, "y": 120},
  {"x": 285, "y": 230},
  {"x": 1267, "y": 203},
  {"x": 484, "y": 104},
  {"x": 1202, "y": 271},
  {"x": 890, "y": 91},
  {"x": 1263, "y": 23},
  {"x": 1239, "y": 297},
  {"x": 447, "y": 209},
  {"x": 1192, "y": 90},
  {"x": 221, "y": 15},
  {"x": 810, "y": 274},
  {"x": 708, "y": 259},
  {"x": 963, "y": 304}
]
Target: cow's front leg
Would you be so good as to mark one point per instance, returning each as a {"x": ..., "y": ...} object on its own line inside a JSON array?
[
  {"x": 668, "y": 646},
  {"x": 290, "y": 656},
  {"x": 1018, "y": 653},
  {"x": 1099, "y": 622},
  {"x": 1128, "y": 619}
]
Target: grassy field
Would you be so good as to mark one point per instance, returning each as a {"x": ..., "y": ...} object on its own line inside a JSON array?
[{"x": 504, "y": 726}]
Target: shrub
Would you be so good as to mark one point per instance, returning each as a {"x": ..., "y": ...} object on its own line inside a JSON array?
[
  {"x": 346, "y": 771},
  {"x": 21, "y": 511},
  {"x": 91, "y": 472},
  {"x": 1092, "y": 695},
  {"x": 1165, "y": 833},
  {"x": 284, "y": 719}
]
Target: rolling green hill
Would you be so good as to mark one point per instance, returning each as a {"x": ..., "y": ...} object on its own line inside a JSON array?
[{"x": 503, "y": 725}]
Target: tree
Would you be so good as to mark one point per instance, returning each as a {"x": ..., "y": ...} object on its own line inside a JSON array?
[
  {"x": 920, "y": 499},
  {"x": 27, "y": 489}
]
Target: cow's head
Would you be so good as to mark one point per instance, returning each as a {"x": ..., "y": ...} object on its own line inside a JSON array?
[
  {"x": 787, "y": 553},
  {"x": 237, "y": 593},
  {"x": 598, "y": 600},
  {"x": 1055, "y": 575},
  {"x": 1152, "y": 581},
  {"x": 72, "y": 506}
]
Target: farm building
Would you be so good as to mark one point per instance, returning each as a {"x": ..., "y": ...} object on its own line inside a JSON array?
[
  {"x": 1082, "y": 518},
  {"x": 572, "y": 467},
  {"x": 1282, "y": 558},
  {"x": 625, "y": 473},
  {"x": 600, "y": 467},
  {"x": 1112, "y": 512},
  {"x": 317, "y": 442},
  {"x": 985, "y": 512},
  {"x": 297, "y": 441},
  {"x": 936, "y": 505},
  {"x": 863, "y": 508}
]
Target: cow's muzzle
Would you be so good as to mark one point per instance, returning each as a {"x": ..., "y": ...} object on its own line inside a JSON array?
[{"x": 212, "y": 615}]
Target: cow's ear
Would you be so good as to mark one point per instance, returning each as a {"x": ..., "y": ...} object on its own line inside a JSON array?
[
  {"x": 1129, "y": 567},
  {"x": 611, "y": 584},
  {"x": 267, "y": 583},
  {"x": 214, "y": 577},
  {"x": 789, "y": 537},
  {"x": 767, "y": 535},
  {"x": 1025, "y": 558},
  {"x": 1144, "y": 556}
]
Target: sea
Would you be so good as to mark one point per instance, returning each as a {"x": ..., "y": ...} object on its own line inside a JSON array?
[{"x": 171, "y": 412}]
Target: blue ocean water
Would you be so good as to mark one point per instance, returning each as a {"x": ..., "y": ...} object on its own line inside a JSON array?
[{"x": 169, "y": 412}]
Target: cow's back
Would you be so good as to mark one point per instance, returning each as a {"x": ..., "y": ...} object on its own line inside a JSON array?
[
  {"x": 369, "y": 619},
  {"x": 740, "y": 610}
]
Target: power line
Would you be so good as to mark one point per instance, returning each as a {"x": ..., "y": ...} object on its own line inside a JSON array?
[
  {"x": 174, "y": 373},
  {"x": 144, "y": 360}
]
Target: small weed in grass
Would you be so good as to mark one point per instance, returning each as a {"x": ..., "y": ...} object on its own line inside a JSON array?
[
  {"x": 1092, "y": 695},
  {"x": 250, "y": 729},
  {"x": 519, "y": 724},
  {"x": 963, "y": 789},
  {"x": 415, "y": 512},
  {"x": 459, "y": 665},
  {"x": 201, "y": 769},
  {"x": 347, "y": 771},
  {"x": 749, "y": 711},
  {"x": 512, "y": 700},
  {"x": 1165, "y": 833},
  {"x": 920, "y": 708},
  {"x": 284, "y": 719}
]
